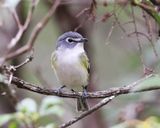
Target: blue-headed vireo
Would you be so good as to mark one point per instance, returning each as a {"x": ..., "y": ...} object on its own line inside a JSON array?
[{"x": 71, "y": 64}]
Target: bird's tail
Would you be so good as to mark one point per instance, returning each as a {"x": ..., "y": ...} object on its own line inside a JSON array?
[{"x": 82, "y": 104}]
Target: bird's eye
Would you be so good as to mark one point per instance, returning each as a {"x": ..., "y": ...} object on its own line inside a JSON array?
[{"x": 69, "y": 40}]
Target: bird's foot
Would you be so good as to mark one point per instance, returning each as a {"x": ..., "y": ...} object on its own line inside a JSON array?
[
  {"x": 82, "y": 101},
  {"x": 59, "y": 90},
  {"x": 84, "y": 92},
  {"x": 72, "y": 90}
]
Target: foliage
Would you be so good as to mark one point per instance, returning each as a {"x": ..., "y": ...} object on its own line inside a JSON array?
[
  {"x": 150, "y": 122},
  {"x": 152, "y": 82},
  {"x": 29, "y": 113}
]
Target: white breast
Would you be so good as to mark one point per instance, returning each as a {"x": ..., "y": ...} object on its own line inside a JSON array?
[{"x": 69, "y": 70}]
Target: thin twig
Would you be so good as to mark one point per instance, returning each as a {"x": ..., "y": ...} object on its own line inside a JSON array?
[
  {"x": 15, "y": 15},
  {"x": 37, "y": 29},
  {"x": 90, "y": 111},
  {"x": 82, "y": 12},
  {"x": 110, "y": 33},
  {"x": 22, "y": 28},
  {"x": 137, "y": 37},
  {"x": 105, "y": 17},
  {"x": 140, "y": 33},
  {"x": 10, "y": 90},
  {"x": 11, "y": 69},
  {"x": 147, "y": 21},
  {"x": 150, "y": 31},
  {"x": 146, "y": 7},
  {"x": 127, "y": 23},
  {"x": 29, "y": 59},
  {"x": 115, "y": 22},
  {"x": 90, "y": 14},
  {"x": 82, "y": 23},
  {"x": 119, "y": 24}
]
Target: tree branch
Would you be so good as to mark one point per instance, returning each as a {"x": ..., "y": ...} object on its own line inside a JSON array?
[
  {"x": 37, "y": 29},
  {"x": 148, "y": 83},
  {"x": 84, "y": 114},
  {"x": 19, "y": 83},
  {"x": 22, "y": 28}
]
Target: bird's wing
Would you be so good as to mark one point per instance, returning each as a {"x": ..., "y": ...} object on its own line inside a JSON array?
[
  {"x": 54, "y": 60},
  {"x": 85, "y": 61}
]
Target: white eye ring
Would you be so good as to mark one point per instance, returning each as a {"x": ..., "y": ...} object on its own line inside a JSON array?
[{"x": 69, "y": 40}]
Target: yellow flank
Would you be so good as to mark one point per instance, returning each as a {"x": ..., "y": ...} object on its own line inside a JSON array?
[
  {"x": 85, "y": 62},
  {"x": 54, "y": 60}
]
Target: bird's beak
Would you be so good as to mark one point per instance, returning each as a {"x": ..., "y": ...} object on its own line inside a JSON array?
[
  {"x": 83, "y": 40},
  {"x": 80, "y": 40}
]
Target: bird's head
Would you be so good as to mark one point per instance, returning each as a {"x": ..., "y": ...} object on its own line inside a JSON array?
[{"x": 70, "y": 40}]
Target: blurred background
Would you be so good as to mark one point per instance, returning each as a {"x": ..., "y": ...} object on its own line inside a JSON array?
[{"x": 116, "y": 58}]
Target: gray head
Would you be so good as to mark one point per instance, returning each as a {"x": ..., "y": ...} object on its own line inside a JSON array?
[{"x": 70, "y": 39}]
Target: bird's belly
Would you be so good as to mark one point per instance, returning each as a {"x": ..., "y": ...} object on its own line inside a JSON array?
[{"x": 72, "y": 74}]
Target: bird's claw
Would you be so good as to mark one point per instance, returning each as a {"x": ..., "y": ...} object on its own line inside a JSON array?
[
  {"x": 59, "y": 90},
  {"x": 84, "y": 92}
]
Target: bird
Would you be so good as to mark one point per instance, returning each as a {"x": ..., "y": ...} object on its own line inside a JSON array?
[{"x": 71, "y": 65}]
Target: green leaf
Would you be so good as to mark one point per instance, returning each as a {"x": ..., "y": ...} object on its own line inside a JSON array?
[
  {"x": 149, "y": 83},
  {"x": 156, "y": 16},
  {"x": 3, "y": 79},
  {"x": 121, "y": 125},
  {"x": 11, "y": 4},
  {"x": 13, "y": 124},
  {"x": 50, "y": 126},
  {"x": 137, "y": 1},
  {"x": 150, "y": 122},
  {"x": 51, "y": 105},
  {"x": 27, "y": 105},
  {"x": 5, "y": 118}
]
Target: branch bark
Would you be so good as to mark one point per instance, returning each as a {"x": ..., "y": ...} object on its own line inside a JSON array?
[
  {"x": 90, "y": 111},
  {"x": 19, "y": 83},
  {"x": 111, "y": 93}
]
